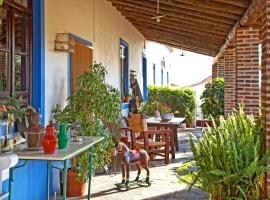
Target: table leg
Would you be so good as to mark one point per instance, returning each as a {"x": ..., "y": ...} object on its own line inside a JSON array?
[
  {"x": 48, "y": 178},
  {"x": 90, "y": 171},
  {"x": 175, "y": 138},
  {"x": 172, "y": 145},
  {"x": 64, "y": 178}
]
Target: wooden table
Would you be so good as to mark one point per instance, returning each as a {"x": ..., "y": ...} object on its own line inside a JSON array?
[
  {"x": 172, "y": 124},
  {"x": 74, "y": 149}
]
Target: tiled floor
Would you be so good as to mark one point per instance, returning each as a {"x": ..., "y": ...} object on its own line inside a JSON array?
[{"x": 164, "y": 181}]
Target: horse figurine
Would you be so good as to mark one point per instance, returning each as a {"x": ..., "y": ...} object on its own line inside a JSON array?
[{"x": 137, "y": 156}]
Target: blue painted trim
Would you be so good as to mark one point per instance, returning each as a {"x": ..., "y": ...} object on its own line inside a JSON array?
[
  {"x": 145, "y": 92},
  {"x": 125, "y": 44},
  {"x": 38, "y": 98},
  {"x": 154, "y": 74},
  {"x": 161, "y": 76},
  {"x": 125, "y": 106},
  {"x": 80, "y": 40}
]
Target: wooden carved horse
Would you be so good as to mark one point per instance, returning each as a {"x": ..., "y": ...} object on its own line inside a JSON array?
[{"x": 139, "y": 157}]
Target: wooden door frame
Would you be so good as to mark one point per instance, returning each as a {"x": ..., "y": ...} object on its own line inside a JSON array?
[{"x": 82, "y": 41}]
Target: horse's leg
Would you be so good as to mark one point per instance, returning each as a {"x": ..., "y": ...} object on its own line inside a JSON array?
[
  {"x": 139, "y": 172},
  {"x": 127, "y": 176},
  {"x": 146, "y": 167},
  {"x": 123, "y": 173}
]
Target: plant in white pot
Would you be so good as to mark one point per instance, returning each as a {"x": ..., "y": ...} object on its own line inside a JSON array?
[{"x": 165, "y": 112}]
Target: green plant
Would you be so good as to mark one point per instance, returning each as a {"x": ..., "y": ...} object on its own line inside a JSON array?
[
  {"x": 164, "y": 108},
  {"x": 229, "y": 160},
  {"x": 96, "y": 106},
  {"x": 181, "y": 101},
  {"x": 149, "y": 107},
  {"x": 13, "y": 107},
  {"x": 213, "y": 99},
  {"x": 1, "y": 2}
]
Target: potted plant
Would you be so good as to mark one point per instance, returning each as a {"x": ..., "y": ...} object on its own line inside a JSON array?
[
  {"x": 229, "y": 159},
  {"x": 96, "y": 106},
  {"x": 165, "y": 112},
  {"x": 11, "y": 111},
  {"x": 149, "y": 108}
]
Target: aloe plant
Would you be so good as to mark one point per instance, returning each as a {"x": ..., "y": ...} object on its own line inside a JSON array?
[{"x": 229, "y": 160}]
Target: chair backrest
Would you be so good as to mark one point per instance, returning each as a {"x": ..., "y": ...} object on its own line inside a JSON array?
[{"x": 137, "y": 123}]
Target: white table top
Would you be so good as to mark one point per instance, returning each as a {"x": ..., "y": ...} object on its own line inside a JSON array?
[
  {"x": 174, "y": 121},
  {"x": 74, "y": 149}
]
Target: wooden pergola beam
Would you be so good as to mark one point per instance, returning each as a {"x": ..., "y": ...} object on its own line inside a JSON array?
[
  {"x": 122, "y": 5},
  {"x": 181, "y": 42},
  {"x": 239, "y": 3},
  {"x": 171, "y": 5},
  {"x": 184, "y": 47},
  {"x": 183, "y": 22},
  {"x": 248, "y": 19},
  {"x": 152, "y": 13},
  {"x": 220, "y": 6},
  {"x": 191, "y": 37},
  {"x": 178, "y": 29}
]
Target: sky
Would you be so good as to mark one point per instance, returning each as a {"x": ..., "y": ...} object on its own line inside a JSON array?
[{"x": 190, "y": 68}]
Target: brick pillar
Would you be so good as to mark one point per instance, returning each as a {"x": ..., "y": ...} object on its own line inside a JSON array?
[
  {"x": 247, "y": 69},
  {"x": 229, "y": 81},
  {"x": 220, "y": 67},
  {"x": 214, "y": 71},
  {"x": 265, "y": 95}
]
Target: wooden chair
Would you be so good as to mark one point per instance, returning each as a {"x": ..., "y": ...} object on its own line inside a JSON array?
[{"x": 155, "y": 142}]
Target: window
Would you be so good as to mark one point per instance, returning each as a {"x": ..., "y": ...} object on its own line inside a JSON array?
[
  {"x": 154, "y": 74},
  {"x": 124, "y": 68},
  {"x": 15, "y": 48}
]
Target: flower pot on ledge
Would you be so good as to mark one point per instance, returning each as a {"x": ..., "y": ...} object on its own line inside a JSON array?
[{"x": 166, "y": 116}]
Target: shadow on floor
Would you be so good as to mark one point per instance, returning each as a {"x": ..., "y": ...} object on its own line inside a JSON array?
[{"x": 194, "y": 194}]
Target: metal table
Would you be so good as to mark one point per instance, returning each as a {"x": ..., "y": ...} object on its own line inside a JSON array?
[
  {"x": 74, "y": 149},
  {"x": 172, "y": 124}
]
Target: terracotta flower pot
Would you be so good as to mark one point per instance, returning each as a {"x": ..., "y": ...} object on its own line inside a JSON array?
[{"x": 75, "y": 187}]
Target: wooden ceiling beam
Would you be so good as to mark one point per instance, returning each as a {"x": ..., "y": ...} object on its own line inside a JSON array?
[
  {"x": 177, "y": 30},
  {"x": 180, "y": 27},
  {"x": 184, "y": 47},
  {"x": 239, "y": 3},
  {"x": 181, "y": 34},
  {"x": 209, "y": 4},
  {"x": 180, "y": 42},
  {"x": 179, "y": 7},
  {"x": 121, "y": 4},
  {"x": 126, "y": 9},
  {"x": 171, "y": 36},
  {"x": 183, "y": 22},
  {"x": 201, "y": 9}
]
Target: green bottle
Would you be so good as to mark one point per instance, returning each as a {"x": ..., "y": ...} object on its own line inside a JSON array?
[{"x": 63, "y": 137}]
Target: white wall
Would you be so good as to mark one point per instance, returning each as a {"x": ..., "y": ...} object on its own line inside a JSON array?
[
  {"x": 155, "y": 54},
  {"x": 99, "y": 23}
]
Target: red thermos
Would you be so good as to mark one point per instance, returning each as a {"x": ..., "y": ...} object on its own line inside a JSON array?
[{"x": 49, "y": 141}]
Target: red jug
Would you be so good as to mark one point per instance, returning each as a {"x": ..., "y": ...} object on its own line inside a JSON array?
[{"x": 49, "y": 141}]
